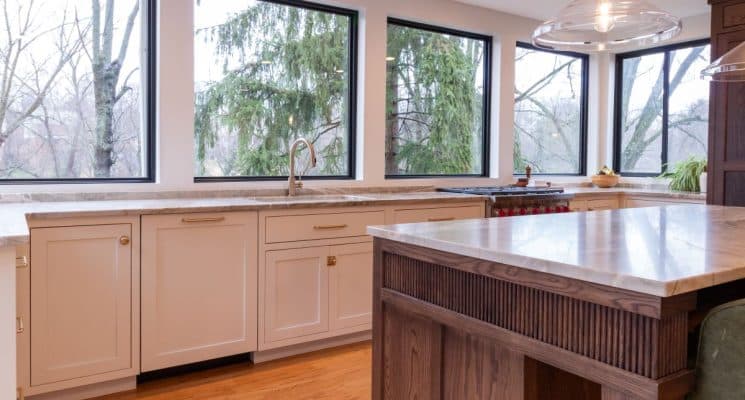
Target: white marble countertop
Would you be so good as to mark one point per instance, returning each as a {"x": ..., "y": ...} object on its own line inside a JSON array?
[
  {"x": 14, "y": 216},
  {"x": 662, "y": 251}
]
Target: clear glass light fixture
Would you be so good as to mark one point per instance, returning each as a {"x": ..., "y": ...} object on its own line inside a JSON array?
[
  {"x": 728, "y": 68},
  {"x": 598, "y": 25}
]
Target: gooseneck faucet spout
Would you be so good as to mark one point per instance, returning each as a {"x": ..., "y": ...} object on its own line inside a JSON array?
[{"x": 294, "y": 182}]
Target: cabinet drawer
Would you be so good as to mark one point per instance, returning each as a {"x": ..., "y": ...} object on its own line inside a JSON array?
[
  {"x": 437, "y": 214},
  {"x": 293, "y": 228},
  {"x": 652, "y": 202},
  {"x": 602, "y": 204}
]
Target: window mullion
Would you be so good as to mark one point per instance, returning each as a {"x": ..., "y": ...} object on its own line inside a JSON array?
[{"x": 665, "y": 111}]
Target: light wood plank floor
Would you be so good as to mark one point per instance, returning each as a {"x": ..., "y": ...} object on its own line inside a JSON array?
[{"x": 341, "y": 374}]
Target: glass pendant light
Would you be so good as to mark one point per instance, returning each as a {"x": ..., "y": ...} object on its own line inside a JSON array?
[
  {"x": 728, "y": 68},
  {"x": 598, "y": 25}
]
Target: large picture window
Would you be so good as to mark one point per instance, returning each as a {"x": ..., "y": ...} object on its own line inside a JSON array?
[
  {"x": 550, "y": 111},
  {"x": 75, "y": 91},
  {"x": 267, "y": 73},
  {"x": 662, "y": 108},
  {"x": 437, "y": 101}
]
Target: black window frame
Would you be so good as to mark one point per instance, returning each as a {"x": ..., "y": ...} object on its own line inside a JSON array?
[
  {"x": 618, "y": 88},
  {"x": 150, "y": 108},
  {"x": 353, "y": 16},
  {"x": 486, "y": 117},
  {"x": 584, "y": 106}
]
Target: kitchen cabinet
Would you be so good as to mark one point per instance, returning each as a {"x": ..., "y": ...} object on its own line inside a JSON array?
[
  {"x": 296, "y": 293},
  {"x": 84, "y": 311},
  {"x": 350, "y": 284},
  {"x": 199, "y": 287},
  {"x": 595, "y": 203},
  {"x": 412, "y": 215},
  {"x": 23, "y": 312},
  {"x": 726, "y": 169}
]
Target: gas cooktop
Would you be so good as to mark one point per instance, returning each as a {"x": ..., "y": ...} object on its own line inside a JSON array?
[{"x": 504, "y": 190}]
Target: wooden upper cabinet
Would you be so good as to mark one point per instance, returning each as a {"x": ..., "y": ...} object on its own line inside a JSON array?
[
  {"x": 199, "y": 287},
  {"x": 81, "y": 302},
  {"x": 726, "y": 119}
]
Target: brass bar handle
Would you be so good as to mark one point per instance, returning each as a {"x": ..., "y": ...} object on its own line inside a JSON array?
[
  {"x": 22, "y": 262},
  {"x": 328, "y": 227},
  {"x": 331, "y": 261},
  {"x": 19, "y": 325},
  {"x": 441, "y": 219},
  {"x": 202, "y": 219}
]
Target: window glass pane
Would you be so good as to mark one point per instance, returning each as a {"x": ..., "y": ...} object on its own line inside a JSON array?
[
  {"x": 688, "y": 126},
  {"x": 548, "y": 112},
  {"x": 435, "y": 103},
  {"x": 72, "y": 99},
  {"x": 641, "y": 114},
  {"x": 265, "y": 75}
]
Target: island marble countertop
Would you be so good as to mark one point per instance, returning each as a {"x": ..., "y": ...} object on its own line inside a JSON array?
[
  {"x": 661, "y": 251},
  {"x": 14, "y": 216}
]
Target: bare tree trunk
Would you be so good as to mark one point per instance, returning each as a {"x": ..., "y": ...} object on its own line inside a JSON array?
[{"x": 106, "y": 72}]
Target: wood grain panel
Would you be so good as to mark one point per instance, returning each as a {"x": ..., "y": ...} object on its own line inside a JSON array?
[
  {"x": 633, "y": 342},
  {"x": 477, "y": 368},
  {"x": 543, "y": 381},
  {"x": 734, "y": 187},
  {"x": 412, "y": 366},
  {"x": 638, "y": 303}
]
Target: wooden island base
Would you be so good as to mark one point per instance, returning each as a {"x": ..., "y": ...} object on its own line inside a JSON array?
[{"x": 448, "y": 326}]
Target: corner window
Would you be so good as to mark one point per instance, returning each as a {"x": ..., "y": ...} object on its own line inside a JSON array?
[
  {"x": 75, "y": 91},
  {"x": 550, "y": 111},
  {"x": 266, "y": 74},
  {"x": 437, "y": 101},
  {"x": 662, "y": 108}
]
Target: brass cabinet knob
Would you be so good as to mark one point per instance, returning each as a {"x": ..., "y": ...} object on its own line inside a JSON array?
[
  {"x": 124, "y": 240},
  {"x": 331, "y": 261}
]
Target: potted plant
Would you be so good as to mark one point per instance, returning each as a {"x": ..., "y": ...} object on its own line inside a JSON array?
[{"x": 687, "y": 176}]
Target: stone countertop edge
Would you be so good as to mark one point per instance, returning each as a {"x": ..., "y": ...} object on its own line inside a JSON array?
[
  {"x": 14, "y": 216},
  {"x": 698, "y": 257}
]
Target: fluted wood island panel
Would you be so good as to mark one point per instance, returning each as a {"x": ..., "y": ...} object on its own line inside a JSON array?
[{"x": 455, "y": 326}]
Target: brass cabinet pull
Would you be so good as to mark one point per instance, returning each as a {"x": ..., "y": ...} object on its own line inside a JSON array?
[
  {"x": 441, "y": 219},
  {"x": 201, "y": 219},
  {"x": 21, "y": 262},
  {"x": 327, "y": 227},
  {"x": 331, "y": 261},
  {"x": 124, "y": 240},
  {"x": 19, "y": 325}
]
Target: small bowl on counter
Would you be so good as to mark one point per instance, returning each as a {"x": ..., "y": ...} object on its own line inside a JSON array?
[{"x": 605, "y": 181}]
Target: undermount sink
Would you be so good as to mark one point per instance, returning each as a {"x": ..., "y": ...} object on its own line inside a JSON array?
[{"x": 310, "y": 198}]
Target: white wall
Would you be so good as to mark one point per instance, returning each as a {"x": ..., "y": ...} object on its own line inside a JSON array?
[{"x": 175, "y": 95}]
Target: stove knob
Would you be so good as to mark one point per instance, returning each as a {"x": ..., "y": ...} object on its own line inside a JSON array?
[
  {"x": 502, "y": 212},
  {"x": 511, "y": 213},
  {"x": 523, "y": 211},
  {"x": 537, "y": 211},
  {"x": 566, "y": 209},
  {"x": 549, "y": 210}
]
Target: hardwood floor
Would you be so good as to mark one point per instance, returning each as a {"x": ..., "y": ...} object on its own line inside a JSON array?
[{"x": 341, "y": 374}]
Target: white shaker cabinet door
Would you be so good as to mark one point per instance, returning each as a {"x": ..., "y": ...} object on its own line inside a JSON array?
[
  {"x": 81, "y": 302},
  {"x": 199, "y": 287},
  {"x": 296, "y": 293},
  {"x": 350, "y": 281}
]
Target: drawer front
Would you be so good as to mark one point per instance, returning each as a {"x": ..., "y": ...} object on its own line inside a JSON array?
[
  {"x": 292, "y": 228},
  {"x": 437, "y": 214},
  {"x": 578, "y": 205},
  {"x": 604, "y": 204}
]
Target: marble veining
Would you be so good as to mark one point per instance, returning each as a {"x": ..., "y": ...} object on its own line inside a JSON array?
[
  {"x": 579, "y": 192},
  {"x": 662, "y": 251},
  {"x": 14, "y": 227}
]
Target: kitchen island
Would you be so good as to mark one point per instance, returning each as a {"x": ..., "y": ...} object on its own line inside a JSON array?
[{"x": 599, "y": 305}]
